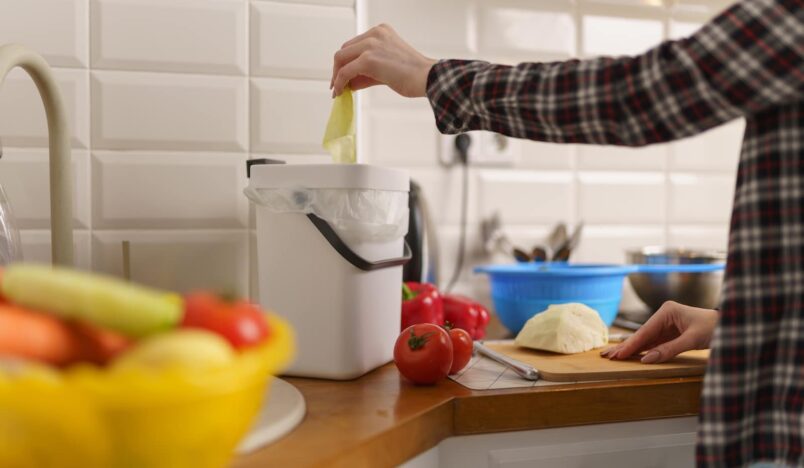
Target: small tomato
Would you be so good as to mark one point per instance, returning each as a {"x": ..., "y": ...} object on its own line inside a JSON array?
[
  {"x": 241, "y": 323},
  {"x": 461, "y": 349},
  {"x": 423, "y": 353}
]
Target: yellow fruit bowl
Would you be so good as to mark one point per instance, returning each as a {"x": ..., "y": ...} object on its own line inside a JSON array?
[{"x": 173, "y": 418}]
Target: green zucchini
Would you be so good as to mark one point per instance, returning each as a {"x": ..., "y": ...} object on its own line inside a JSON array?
[{"x": 107, "y": 302}]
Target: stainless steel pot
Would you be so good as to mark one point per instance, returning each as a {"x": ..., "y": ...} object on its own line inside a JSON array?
[{"x": 664, "y": 276}]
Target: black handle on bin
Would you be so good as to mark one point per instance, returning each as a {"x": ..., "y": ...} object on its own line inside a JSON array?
[
  {"x": 258, "y": 162},
  {"x": 350, "y": 255}
]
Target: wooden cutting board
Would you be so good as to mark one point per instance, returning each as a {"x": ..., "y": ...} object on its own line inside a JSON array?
[{"x": 590, "y": 366}]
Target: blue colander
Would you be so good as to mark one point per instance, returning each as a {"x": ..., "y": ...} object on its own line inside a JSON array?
[{"x": 521, "y": 290}]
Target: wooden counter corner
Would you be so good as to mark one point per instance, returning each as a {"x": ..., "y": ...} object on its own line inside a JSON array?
[{"x": 382, "y": 420}]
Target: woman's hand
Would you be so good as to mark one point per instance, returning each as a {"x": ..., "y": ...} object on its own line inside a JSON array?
[
  {"x": 673, "y": 329},
  {"x": 380, "y": 56}
]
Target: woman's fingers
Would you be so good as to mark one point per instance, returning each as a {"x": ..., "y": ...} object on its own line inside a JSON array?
[
  {"x": 350, "y": 53},
  {"x": 360, "y": 66},
  {"x": 355, "y": 46},
  {"x": 362, "y": 82},
  {"x": 646, "y": 334},
  {"x": 666, "y": 351},
  {"x": 609, "y": 350}
]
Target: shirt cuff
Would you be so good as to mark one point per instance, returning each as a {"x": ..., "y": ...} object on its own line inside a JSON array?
[{"x": 449, "y": 90}]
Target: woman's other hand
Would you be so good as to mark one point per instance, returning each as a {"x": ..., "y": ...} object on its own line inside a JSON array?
[
  {"x": 380, "y": 56},
  {"x": 673, "y": 329}
]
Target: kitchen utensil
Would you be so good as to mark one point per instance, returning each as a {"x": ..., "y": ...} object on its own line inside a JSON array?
[
  {"x": 179, "y": 417},
  {"x": 521, "y": 256},
  {"x": 562, "y": 254},
  {"x": 421, "y": 237},
  {"x": 557, "y": 237},
  {"x": 626, "y": 324},
  {"x": 538, "y": 254},
  {"x": 688, "y": 276},
  {"x": 494, "y": 239},
  {"x": 591, "y": 366},
  {"x": 320, "y": 279},
  {"x": 523, "y": 370},
  {"x": 522, "y": 290}
]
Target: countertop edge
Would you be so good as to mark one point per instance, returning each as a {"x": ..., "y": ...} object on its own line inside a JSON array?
[{"x": 422, "y": 417}]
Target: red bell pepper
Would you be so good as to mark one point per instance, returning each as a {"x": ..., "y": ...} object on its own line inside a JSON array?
[
  {"x": 421, "y": 303},
  {"x": 466, "y": 314}
]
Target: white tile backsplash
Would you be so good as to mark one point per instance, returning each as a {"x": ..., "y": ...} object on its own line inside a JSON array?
[
  {"x": 437, "y": 27},
  {"x": 347, "y": 3},
  {"x": 716, "y": 150},
  {"x": 36, "y": 247},
  {"x": 527, "y": 28},
  {"x": 24, "y": 175},
  {"x": 177, "y": 260},
  {"x": 298, "y": 125},
  {"x": 282, "y": 42},
  {"x": 527, "y": 197},
  {"x": 612, "y": 197},
  {"x": 648, "y": 158},
  {"x": 608, "y": 244},
  {"x": 402, "y": 138},
  {"x": 57, "y": 29},
  {"x": 538, "y": 155},
  {"x": 606, "y": 35},
  {"x": 699, "y": 237},
  {"x": 701, "y": 198},
  {"x": 203, "y": 36},
  {"x": 253, "y": 273},
  {"x": 442, "y": 192},
  {"x": 681, "y": 29},
  {"x": 160, "y": 111},
  {"x": 23, "y": 120},
  {"x": 187, "y": 191}
]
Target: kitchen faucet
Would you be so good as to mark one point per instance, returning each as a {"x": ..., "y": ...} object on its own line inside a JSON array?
[{"x": 61, "y": 192}]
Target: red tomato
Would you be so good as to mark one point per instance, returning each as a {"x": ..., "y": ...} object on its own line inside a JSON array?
[
  {"x": 461, "y": 349},
  {"x": 241, "y": 323},
  {"x": 423, "y": 353}
]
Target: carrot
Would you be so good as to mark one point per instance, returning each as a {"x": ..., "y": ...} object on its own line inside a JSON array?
[{"x": 36, "y": 336}]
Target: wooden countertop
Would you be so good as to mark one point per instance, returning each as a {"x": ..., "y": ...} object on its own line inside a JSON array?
[{"x": 382, "y": 420}]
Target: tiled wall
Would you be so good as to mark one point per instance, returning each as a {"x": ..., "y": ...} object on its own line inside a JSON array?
[
  {"x": 672, "y": 194},
  {"x": 167, "y": 99}
]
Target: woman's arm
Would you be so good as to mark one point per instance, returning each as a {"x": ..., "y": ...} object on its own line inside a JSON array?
[{"x": 748, "y": 58}]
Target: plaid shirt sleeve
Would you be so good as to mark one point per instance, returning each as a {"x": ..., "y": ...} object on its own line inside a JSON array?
[{"x": 747, "y": 59}]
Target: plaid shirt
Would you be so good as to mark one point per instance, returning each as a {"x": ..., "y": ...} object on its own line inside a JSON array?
[{"x": 748, "y": 62}]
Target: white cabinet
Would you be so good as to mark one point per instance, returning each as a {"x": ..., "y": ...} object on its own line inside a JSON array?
[{"x": 662, "y": 443}]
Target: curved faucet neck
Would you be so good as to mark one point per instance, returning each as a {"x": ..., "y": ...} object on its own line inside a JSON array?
[{"x": 61, "y": 192}]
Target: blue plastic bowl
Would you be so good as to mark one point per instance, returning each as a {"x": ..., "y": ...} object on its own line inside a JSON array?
[{"x": 521, "y": 290}]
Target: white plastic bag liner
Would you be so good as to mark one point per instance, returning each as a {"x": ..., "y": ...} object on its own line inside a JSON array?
[{"x": 357, "y": 215}]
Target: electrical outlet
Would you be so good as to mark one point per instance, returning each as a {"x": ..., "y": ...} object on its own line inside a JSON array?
[{"x": 486, "y": 149}]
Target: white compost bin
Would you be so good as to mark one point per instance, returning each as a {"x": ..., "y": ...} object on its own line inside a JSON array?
[{"x": 330, "y": 247}]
